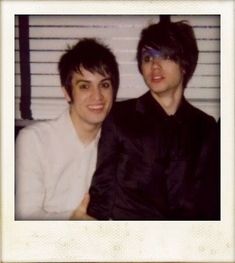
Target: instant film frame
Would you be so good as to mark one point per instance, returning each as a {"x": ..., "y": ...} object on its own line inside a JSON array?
[{"x": 125, "y": 241}]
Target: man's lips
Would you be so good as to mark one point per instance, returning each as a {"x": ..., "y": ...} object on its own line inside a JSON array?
[
  {"x": 156, "y": 78},
  {"x": 96, "y": 107}
]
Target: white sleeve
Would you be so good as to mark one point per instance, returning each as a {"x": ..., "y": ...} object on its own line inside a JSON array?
[{"x": 30, "y": 187}]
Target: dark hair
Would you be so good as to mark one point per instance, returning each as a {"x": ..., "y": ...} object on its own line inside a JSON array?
[
  {"x": 176, "y": 40},
  {"x": 92, "y": 55}
]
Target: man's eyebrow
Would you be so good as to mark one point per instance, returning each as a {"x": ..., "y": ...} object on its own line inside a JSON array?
[
  {"x": 108, "y": 78},
  {"x": 88, "y": 81},
  {"x": 82, "y": 80}
]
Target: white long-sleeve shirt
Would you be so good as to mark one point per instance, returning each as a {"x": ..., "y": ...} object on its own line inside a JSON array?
[{"x": 53, "y": 170}]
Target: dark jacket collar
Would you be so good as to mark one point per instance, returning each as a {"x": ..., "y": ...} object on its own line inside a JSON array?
[{"x": 146, "y": 104}]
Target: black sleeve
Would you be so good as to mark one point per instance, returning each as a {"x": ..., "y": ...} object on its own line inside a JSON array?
[
  {"x": 200, "y": 196},
  {"x": 207, "y": 177},
  {"x": 209, "y": 203},
  {"x": 102, "y": 189}
]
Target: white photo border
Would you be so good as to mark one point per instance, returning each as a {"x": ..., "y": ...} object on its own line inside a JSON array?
[{"x": 109, "y": 241}]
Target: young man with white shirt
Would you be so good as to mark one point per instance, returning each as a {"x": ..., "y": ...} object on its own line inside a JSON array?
[{"x": 55, "y": 159}]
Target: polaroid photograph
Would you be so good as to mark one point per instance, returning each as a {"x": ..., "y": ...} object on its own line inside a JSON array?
[{"x": 64, "y": 67}]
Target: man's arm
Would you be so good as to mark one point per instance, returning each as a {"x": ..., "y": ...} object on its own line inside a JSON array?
[
  {"x": 199, "y": 193},
  {"x": 209, "y": 201},
  {"x": 102, "y": 190},
  {"x": 30, "y": 188}
]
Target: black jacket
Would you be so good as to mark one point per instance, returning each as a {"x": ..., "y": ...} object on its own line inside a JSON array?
[{"x": 154, "y": 166}]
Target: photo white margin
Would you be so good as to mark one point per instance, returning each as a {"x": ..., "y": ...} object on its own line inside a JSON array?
[{"x": 106, "y": 241}]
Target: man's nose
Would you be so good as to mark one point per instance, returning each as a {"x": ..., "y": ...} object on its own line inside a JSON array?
[
  {"x": 97, "y": 93},
  {"x": 156, "y": 62}
]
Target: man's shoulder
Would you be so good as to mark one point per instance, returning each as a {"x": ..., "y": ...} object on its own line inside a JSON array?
[
  {"x": 125, "y": 103},
  {"x": 123, "y": 113},
  {"x": 200, "y": 117},
  {"x": 198, "y": 113},
  {"x": 42, "y": 128},
  {"x": 131, "y": 105},
  {"x": 125, "y": 110}
]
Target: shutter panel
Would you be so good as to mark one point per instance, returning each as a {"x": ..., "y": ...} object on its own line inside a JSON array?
[{"x": 50, "y": 36}]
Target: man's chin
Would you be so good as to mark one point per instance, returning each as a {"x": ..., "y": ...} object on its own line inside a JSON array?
[{"x": 96, "y": 120}]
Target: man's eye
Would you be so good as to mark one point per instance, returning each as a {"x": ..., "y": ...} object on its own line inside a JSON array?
[
  {"x": 83, "y": 86},
  {"x": 106, "y": 84},
  {"x": 147, "y": 58}
]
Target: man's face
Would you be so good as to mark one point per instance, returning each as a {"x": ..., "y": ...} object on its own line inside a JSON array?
[
  {"x": 162, "y": 75},
  {"x": 92, "y": 98}
]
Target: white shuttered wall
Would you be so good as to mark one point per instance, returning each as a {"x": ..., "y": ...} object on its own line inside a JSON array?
[{"x": 50, "y": 36}]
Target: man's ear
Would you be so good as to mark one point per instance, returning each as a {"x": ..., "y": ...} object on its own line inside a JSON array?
[
  {"x": 66, "y": 95},
  {"x": 183, "y": 70}
]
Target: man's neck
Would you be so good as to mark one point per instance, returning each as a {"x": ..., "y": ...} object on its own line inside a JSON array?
[
  {"x": 86, "y": 132},
  {"x": 169, "y": 101},
  {"x": 86, "y": 136}
]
